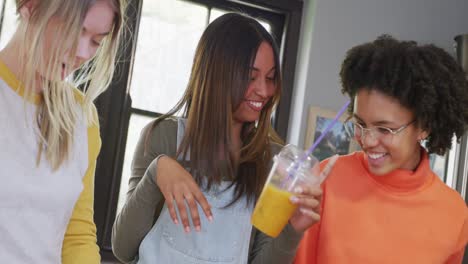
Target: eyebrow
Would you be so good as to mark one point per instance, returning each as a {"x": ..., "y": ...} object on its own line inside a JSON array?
[
  {"x": 256, "y": 69},
  {"x": 378, "y": 123},
  {"x": 99, "y": 34}
]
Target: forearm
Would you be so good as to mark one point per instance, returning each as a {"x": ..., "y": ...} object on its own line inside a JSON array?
[
  {"x": 136, "y": 217},
  {"x": 280, "y": 250}
]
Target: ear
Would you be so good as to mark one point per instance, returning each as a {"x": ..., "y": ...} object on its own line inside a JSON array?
[
  {"x": 423, "y": 135},
  {"x": 27, "y": 9}
]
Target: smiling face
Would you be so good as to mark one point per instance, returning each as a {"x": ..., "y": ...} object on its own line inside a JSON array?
[
  {"x": 399, "y": 151},
  {"x": 261, "y": 88}
]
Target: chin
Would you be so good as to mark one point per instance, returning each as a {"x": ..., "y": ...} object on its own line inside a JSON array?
[
  {"x": 251, "y": 119},
  {"x": 381, "y": 170}
]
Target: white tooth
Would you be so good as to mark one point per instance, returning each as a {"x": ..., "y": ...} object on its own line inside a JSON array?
[
  {"x": 375, "y": 156},
  {"x": 255, "y": 104}
]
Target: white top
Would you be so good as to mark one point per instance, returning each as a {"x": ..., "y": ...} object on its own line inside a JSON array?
[{"x": 36, "y": 203}]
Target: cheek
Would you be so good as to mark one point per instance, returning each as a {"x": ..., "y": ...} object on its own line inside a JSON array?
[
  {"x": 94, "y": 50},
  {"x": 250, "y": 90},
  {"x": 404, "y": 148},
  {"x": 237, "y": 115},
  {"x": 48, "y": 44},
  {"x": 272, "y": 88}
]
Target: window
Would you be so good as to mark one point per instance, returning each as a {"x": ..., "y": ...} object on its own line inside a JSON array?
[{"x": 8, "y": 20}]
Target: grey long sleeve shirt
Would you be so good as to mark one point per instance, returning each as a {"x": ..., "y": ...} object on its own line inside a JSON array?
[{"x": 145, "y": 201}]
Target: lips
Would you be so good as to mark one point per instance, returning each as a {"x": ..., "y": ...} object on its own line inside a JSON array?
[
  {"x": 376, "y": 159},
  {"x": 375, "y": 155},
  {"x": 255, "y": 105}
]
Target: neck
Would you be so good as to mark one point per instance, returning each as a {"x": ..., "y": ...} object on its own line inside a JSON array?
[
  {"x": 10, "y": 54},
  {"x": 414, "y": 163}
]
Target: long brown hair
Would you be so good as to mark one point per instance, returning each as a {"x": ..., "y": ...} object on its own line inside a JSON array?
[{"x": 217, "y": 85}]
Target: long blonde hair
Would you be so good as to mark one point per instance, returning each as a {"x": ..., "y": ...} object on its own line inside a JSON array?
[{"x": 59, "y": 110}]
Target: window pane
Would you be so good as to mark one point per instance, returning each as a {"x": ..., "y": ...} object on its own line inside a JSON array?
[
  {"x": 215, "y": 13},
  {"x": 437, "y": 163},
  {"x": 167, "y": 38},
  {"x": 136, "y": 124},
  {"x": 9, "y": 22}
]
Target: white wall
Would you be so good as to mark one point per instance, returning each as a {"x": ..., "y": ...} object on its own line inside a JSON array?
[{"x": 331, "y": 27}]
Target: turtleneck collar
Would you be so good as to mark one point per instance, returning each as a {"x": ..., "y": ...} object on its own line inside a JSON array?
[{"x": 402, "y": 180}]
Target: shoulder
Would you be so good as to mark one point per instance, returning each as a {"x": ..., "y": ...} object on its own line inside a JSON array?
[
  {"x": 449, "y": 207},
  {"x": 94, "y": 135},
  {"x": 164, "y": 128},
  {"x": 452, "y": 200},
  {"x": 160, "y": 136},
  {"x": 78, "y": 94},
  {"x": 90, "y": 117},
  {"x": 89, "y": 109},
  {"x": 345, "y": 161},
  {"x": 345, "y": 173}
]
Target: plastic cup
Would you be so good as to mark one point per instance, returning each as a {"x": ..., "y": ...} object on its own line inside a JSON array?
[{"x": 274, "y": 209}]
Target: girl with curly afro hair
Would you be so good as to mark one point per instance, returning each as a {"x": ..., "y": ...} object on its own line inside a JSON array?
[{"x": 384, "y": 204}]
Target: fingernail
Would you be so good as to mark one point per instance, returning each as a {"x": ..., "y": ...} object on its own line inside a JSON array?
[
  {"x": 298, "y": 190},
  {"x": 197, "y": 228},
  {"x": 210, "y": 218},
  {"x": 176, "y": 222},
  {"x": 187, "y": 229},
  {"x": 294, "y": 199}
]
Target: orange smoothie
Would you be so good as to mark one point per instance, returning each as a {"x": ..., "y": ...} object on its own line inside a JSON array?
[{"x": 273, "y": 210}]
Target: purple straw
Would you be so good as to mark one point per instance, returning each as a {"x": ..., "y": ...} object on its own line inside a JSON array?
[
  {"x": 312, "y": 148},
  {"x": 327, "y": 129}
]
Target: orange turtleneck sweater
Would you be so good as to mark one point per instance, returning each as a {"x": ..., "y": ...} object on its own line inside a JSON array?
[{"x": 402, "y": 217}]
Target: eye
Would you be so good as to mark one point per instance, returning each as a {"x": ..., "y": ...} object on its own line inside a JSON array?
[
  {"x": 383, "y": 130},
  {"x": 253, "y": 76},
  {"x": 358, "y": 124},
  {"x": 356, "y": 127},
  {"x": 271, "y": 79},
  {"x": 96, "y": 43}
]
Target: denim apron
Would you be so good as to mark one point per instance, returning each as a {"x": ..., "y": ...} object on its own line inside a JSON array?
[{"x": 225, "y": 240}]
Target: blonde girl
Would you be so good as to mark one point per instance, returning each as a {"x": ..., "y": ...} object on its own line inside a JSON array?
[{"x": 50, "y": 133}]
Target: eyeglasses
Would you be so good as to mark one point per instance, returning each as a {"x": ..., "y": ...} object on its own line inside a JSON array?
[{"x": 380, "y": 133}]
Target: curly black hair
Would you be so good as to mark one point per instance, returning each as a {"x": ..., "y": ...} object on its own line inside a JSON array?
[{"x": 423, "y": 78}]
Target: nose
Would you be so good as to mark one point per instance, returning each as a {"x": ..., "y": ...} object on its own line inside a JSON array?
[
  {"x": 368, "y": 138},
  {"x": 264, "y": 88},
  {"x": 84, "y": 50}
]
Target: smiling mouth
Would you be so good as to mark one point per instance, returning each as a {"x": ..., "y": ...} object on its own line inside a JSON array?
[
  {"x": 376, "y": 159},
  {"x": 255, "y": 105},
  {"x": 376, "y": 156}
]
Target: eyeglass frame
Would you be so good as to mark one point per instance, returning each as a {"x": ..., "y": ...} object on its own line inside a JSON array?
[{"x": 363, "y": 130}]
